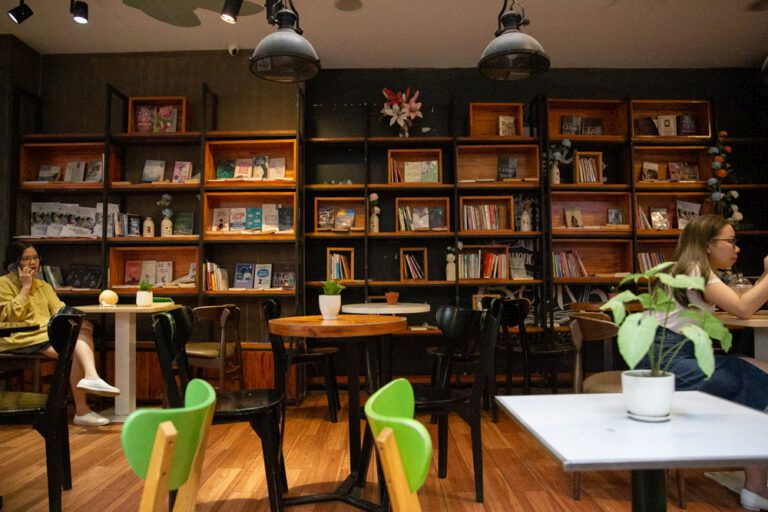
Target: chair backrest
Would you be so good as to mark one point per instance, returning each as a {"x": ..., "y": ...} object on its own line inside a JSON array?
[
  {"x": 588, "y": 327},
  {"x": 63, "y": 331},
  {"x": 490, "y": 322},
  {"x": 461, "y": 326},
  {"x": 513, "y": 314},
  {"x": 172, "y": 331},
  {"x": 227, "y": 318},
  {"x": 271, "y": 309},
  {"x": 174, "y": 460},
  {"x": 406, "y": 464}
]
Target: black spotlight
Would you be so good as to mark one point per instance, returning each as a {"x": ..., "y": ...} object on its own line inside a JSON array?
[
  {"x": 79, "y": 11},
  {"x": 231, "y": 10},
  {"x": 20, "y": 13}
]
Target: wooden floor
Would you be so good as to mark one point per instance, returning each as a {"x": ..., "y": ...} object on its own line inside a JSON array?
[{"x": 519, "y": 472}]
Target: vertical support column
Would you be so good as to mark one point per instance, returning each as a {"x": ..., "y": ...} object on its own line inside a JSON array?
[{"x": 125, "y": 364}]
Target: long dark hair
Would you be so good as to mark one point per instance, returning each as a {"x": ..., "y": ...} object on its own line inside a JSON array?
[
  {"x": 691, "y": 250},
  {"x": 13, "y": 254}
]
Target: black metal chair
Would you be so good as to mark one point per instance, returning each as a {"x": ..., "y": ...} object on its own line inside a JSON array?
[
  {"x": 47, "y": 413},
  {"x": 481, "y": 330},
  {"x": 320, "y": 357},
  {"x": 264, "y": 409}
]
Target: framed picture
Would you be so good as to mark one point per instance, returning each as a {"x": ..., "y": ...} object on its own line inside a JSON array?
[
  {"x": 477, "y": 299},
  {"x": 615, "y": 216},
  {"x": 573, "y": 218}
]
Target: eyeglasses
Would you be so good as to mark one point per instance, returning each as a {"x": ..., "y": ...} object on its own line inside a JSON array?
[
  {"x": 731, "y": 241},
  {"x": 30, "y": 258}
]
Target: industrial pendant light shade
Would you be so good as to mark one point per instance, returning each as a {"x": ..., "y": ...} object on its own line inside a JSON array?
[
  {"x": 513, "y": 55},
  {"x": 284, "y": 56},
  {"x": 231, "y": 10},
  {"x": 79, "y": 11},
  {"x": 20, "y": 13}
]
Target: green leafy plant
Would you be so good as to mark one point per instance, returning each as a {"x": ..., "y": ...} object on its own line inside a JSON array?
[
  {"x": 145, "y": 286},
  {"x": 331, "y": 287},
  {"x": 637, "y": 330}
]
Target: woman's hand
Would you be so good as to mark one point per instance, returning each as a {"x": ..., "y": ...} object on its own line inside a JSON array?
[{"x": 26, "y": 276}]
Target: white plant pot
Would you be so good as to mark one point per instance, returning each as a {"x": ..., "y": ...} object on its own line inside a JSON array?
[
  {"x": 143, "y": 299},
  {"x": 330, "y": 305},
  {"x": 646, "y": 396}
]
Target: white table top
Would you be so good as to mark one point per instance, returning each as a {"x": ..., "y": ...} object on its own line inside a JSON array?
[
  {"x": 382, "y": 308},
  {"x": 592, "y": 431},
  {"x": 129, "y": 308}
]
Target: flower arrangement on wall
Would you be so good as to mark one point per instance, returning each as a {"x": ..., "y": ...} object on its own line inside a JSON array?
[
  {"x": 402, "y": 108},
  {"x": 724, "y": 201}
]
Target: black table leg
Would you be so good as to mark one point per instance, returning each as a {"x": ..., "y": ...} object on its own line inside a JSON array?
[
  {"x": 649, "y": 490},
  {"x": 353, "y": 390}
]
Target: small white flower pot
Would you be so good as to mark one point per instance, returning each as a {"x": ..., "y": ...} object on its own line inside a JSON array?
[
  {"x": 330, "y": 305},
  {"x": 143, "y": 299},
  {"x": 646, "y": 396}
]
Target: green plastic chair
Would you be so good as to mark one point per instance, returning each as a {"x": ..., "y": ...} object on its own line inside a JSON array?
[
  {"x": 404, "y": 445},
  {"x": 175, "y": 459}
]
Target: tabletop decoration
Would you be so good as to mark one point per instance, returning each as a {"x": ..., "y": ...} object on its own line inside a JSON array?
[
  {"x": 723, "y": 201},
  {"x": 144, "y": 294},
  {"x": 166, "y": 225},
  {"x": 402, "y": 108},
  {"x": 330, "y": 300},
  {"x": 648, "y": 393},
  {"x": 108, "y": 298}
]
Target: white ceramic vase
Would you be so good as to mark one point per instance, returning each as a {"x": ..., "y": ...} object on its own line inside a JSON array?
[
  {"x": 148, "y": 229},
  {"x": 450, "y": 271},
  {"x": 330, "y": 305},
  {"x": 648, "y": 397},
  {"x": 554, "y": 174},
  {"x": 373, "y": 226},
  {"x": 166, "y": 227},
  {"x": 143, "y": 299}
]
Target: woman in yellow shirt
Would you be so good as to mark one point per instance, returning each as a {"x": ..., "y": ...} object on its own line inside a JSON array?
[{"x": 24, "y": 298}]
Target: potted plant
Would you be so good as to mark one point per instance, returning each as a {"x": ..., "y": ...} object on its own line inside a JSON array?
[
  {"x": 330, "y": 300},
  {"x": 648, "y": 393},
  {"x": 391, "y": 297},
  {"x": 144, "y": 295}
]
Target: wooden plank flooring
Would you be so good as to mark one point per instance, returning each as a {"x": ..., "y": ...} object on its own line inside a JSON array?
[{"x": 520, "y": 474}]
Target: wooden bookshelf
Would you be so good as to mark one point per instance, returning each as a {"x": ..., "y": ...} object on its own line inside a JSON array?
[
  {"x": 698, "y": 110},
  {"x": 419, "y": 254},
  {"x": 664, "y": 155},
  {"x": 34, "y": 155},
  {"x": 356, "y": 204},
  {"x": 602, "y": 258},
  {"x": 432, "y": 204},
  {"x": 594, "y": 208},
  {"x": 581, "y": 173},
  {"x": 182, "y": 257},
  {"x": 465, "y": 270},
  {"x": 668, "y": 201},
  {"x": 217, "y": 151},
  {"x": 506, "y": 205},
  {"x": 215, "y": 200},
  {"x": 348, "y": 271},
  {"x": 177, "y": 102},
  {"x": 413, "y": 157},
  {"x": 612, "y": 113},
  {"x": 479, "y": 165},
  {"x": 484, "y": 119}
]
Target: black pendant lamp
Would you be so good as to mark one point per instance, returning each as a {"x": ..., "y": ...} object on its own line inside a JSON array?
[
  {"x": 284, "y": 56},
  {"x": 513, "y": 55},
  {"x": 20, "y": 13}
]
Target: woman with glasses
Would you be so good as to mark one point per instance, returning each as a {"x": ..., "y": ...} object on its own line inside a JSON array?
[
  {"x": 707, "y": 244},
  {"x": 24, "y": 298}
]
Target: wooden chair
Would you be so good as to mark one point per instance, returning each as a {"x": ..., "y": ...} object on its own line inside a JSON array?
[
  {"x": 16, "y": 364},
  {"x": 263, "y": 409},
  {"x": 466, "y": 402},
  {"x": 593, "y": 327},
  {"x": 224, "y": 355},
  {"x": 47, "y": 413},
  {"x": 174, "y": 461},
  {"x": 320, "y": 357},
  {"x": 403, "y": 444}
]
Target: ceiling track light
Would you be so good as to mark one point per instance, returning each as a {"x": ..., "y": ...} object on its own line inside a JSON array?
[
  {"x": 513, "y": 55},
  {"x": 284, "y": 56},
  {"x": 79, "y": 11},
  {"x": 231, "y": 10},
  {"x": 20, "y": 13}
]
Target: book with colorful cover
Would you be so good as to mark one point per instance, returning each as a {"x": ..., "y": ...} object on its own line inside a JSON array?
[
  {"x": 429, "y": 171},
  {"x": 244, "y": 273},
  {"x": 253, "y": 218},
  {"x": 145, "y": 117},
  {"x": 132, "y": 273},
  {"x": 260, "y": 167},
  {"x": 262, "y": 275},
  {"x": 154, "y": 170},
  {"x": 75, "y": 171},
  {"x": 183, "y": 223},
  {"x": 182, "y": 171},
  {"x": 94, "y": 172},
  {"x": 276, "y": 169},
  {"x": 345, "y": 218},
  {"x": 225, "y": 169},
  {"x": 325, "y": 217},
  {"x": 49, "y": 173},
  {"x": 236, "y": 219},
  {"x": 220, "y": 219},
  {"x": 243, "y": 168},
  {"x": 166, "y": 119}
]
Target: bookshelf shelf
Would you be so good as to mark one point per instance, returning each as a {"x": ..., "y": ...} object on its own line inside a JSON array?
[
  {"x": 80, "y": 240},
  {"x": 145, "y": 114},
  {"x": 155, "y": 240},
  {"x": 169, "y": 138},
  {"x": 412, "y": 234},
  {"x": 691, "y": 120},
  {"x": 147, "y": 188},
  {"x": 571, "y": 114},
  {"x": 222, "y": 156},
  {"x": 486, "y": 120},
  {"x": 493, "y": 162},
  {"x": 413, "y": 283},
  {"x": 346, "y": 282},
  {"x": 499, "y": 282},
  {"x": 250, "y": 293}
]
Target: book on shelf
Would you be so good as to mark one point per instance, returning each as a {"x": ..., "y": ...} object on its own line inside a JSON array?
[
  {"x": 149, "y": 271},
  {"x": 285, "y": 218},
  {"x": 587, "y": 171},
  {"x": 225, "y": 169},
  {"x": 216, "y": 277},
  {"x": 507, "y": 168},
  {"x": 339, "y": 267},
  {"x": 676, "y": 171},
  {"x": 243, "y": 168},
  {"x": 166, "y": 119},
  {"x": 397, "y": 174},
  {"x": 40, "y": 218},
  {"x": 132, "y": 273},
  {"x": 260, "y": 167},
  {"x": 412, "y": 172},
  {"x": 182, "y": 171},
  {"x": 691, "y": 171},
  {"x": 507, "y": 126},
  {"x": 326, "y": 214},
  {"x": 686, "y": 212},
  {"x": 244, "y": 273},
  {"x": 49, "y": 173},
  {"x": 75, "y": 171},
  {"x": 429, "y": 171},
  {"x": 592, "y": 126},
  {"x": 80, "y": 221},
  {"x": 659, "y": 218},
  {"x": 154, "y": 170},
  {"x": 645, "y": 125},
  {"x": 523, "y": 258},
  {"x": 666, "y": 125},
  {"x": 262, "y": 276},
  {"x": 573, "y": 218},
  {"x": 568, "y": 264},
  {"x": 642, "y": 219},
  {"x": 145, "y": 118},
  {"x": 686, "y": 124},
  {"x": 236, "y": 219},
  {"x": 615, "y": 216},
  {"x": 183, "y": 223},
  {"x": 113, "y": 212},
  {"x": 220, "y": 219},
  {"x": 52, "y": 274},
  {"x": 420, "y": 216},
  {"x": 253, "y": 218},
  {"x": 75, "y": 276},
  {"x": 648, "y": 260},
  {"x": 649, "y": 171},
  {"x": 570, "y": 125},
  {"x": 276, "y": 170},
  {"x": 94, "y": 171},
  {"x": 164, "y": 272},
  {"x": 437, "y": 218},
  {"x": 344, "y": 219},
  {"x": 133, "y": 227},
  {"x": 270, "y": 219},
  {"x": 283, "y": 276},
  {"x": 484, "y": 216},
  {"x": 412, "y": 267}
]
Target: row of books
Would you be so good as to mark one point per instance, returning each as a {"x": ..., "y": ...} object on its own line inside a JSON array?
[
  {"x": 676, "y": 171},
  {"x": 154, "y": 171},
  {"x": 330, "y": 217},
  {"x": 648, "y": 260},
  {"x": 421, "y": 218},
  {"x": 260, "y": 167},
  {"x": 339, "y": 267},
  {"x": 54, "y": 219},
  {"x": 250, "y": 276},
  {"x": 79, "y": 277},
  {"x": 264, "y": 219},
  {"x": 667, "y": 125},
  {"x": 424, "y": 171},
  {"x": 576, "y": 125},
  {"x": 588, "y": 172},
  {"x": 154, "y": 118},
  {"x": 483, "y": 265},
  {"x": 484, "y": 217},
  {"x": 412, "y": 268},
  {"x": 75, "y": 171},
  {"x": 659, "y": 216},
  {"x": 568, "y": 264},
  {"x": 159, "y": 273}
]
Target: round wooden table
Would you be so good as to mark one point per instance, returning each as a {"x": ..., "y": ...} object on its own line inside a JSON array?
[
  {"x": 759, "y": 323},
  {"x": 354, "y": 332},
  {"x": 382, "y": 308}
]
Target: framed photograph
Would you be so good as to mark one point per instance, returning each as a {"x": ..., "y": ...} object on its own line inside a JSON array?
[
  {"x": 615, "y": 216},
  {"x": 573, "y": 218},
  {"x": 477, "y": 299}
]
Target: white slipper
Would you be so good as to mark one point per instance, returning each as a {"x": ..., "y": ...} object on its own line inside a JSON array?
[
  {"x": 97, "y": 386},
  {"x": 92, "y": 419}
]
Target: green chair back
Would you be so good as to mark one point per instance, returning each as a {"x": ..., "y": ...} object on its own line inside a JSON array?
[
  {"x": 190, "y": 421},
  {"x": 393, "y": 406}
]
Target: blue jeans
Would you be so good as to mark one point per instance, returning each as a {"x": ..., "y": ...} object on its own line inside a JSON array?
[{"x": 734, "y": 379}]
